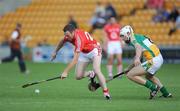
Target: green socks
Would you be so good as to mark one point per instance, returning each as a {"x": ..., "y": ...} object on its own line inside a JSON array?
[
  {"x": 153, "y": 87},
  {"x": 164, "y": 91},
  {"x": 150, "y": 85}
]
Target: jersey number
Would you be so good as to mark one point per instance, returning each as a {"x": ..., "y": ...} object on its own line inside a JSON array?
[
  {"x": 114, "y": 35},
  {"x": 88, "y": 36}
]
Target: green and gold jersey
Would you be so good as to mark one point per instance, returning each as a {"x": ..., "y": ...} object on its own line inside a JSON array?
[{"x": 150, "y": 50}]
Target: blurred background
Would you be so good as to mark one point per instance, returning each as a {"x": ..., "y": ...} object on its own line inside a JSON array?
[{"x": 43, "y": 20}]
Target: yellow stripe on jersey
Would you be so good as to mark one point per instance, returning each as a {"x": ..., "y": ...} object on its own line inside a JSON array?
[
  {"x": 147, "y": 55},
  {"x": 154, "y": 49}
]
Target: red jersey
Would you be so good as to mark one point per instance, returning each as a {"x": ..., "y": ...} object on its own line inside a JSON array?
[
  {"x": 83, "y": 41},
  {"x": 112, "y": 31}
]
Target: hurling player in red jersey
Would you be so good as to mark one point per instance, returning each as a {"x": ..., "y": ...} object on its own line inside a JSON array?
[
  {"x": 113, "y": 45},
  {"x": 86, "y": 50}
]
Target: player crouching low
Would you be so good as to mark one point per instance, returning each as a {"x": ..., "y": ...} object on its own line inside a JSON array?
[
  {"x": 86, "y": 50},
  {"x": 145, "y": 48}
]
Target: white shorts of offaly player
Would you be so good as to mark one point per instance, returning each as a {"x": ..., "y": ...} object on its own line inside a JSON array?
[
  {"x": 87, "y": 57},
  {"x": 114, "y": 47},
  {"x": 156, "y": 64}
]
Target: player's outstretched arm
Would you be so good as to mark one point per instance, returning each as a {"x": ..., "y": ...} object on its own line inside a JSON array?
[
  {"x": 59, "y": 46},
  {"x": 70, "y": 65}
]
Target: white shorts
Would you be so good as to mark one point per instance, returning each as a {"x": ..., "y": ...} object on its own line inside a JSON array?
[
  {"x": 114, "y": 47},
  {"x": 87, "y": 57},
  {"x": 153, "y": 65}
]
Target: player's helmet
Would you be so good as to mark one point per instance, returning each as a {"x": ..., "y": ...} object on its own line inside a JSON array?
[{"x": 126, "y": 31}]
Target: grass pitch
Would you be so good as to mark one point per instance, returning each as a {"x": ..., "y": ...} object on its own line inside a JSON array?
[{"x": 73, "y": 95}]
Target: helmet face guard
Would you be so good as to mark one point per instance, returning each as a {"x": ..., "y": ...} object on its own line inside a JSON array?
[{"x": 126, "y": 32}]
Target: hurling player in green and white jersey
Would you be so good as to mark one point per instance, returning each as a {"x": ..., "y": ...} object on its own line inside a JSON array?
[{"x": 153, "y": 60}]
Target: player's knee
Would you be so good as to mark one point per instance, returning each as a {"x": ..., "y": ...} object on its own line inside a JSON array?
[
  {"x": 119, "y": 63},
  {"x": 129, "y": 76},
  {"x": 110, "y": 62},
  {"x": 97, "y": 72}
]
